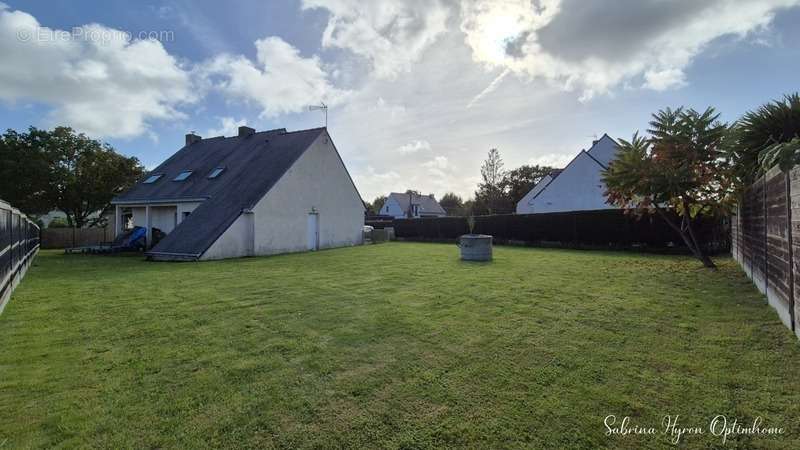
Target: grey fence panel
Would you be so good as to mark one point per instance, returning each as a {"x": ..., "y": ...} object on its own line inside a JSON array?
[{"x": 19, "y": 242}]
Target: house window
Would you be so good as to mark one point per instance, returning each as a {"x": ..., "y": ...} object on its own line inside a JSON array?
[
  {"x": 183, "y": 175},
  {"x": 215, "y": 173},
  {"x": 153, "y": 178}
]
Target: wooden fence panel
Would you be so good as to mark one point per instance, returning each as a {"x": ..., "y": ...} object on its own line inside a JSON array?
[
  {"x": 736, "y": 234},
  {"x": 794, "y": 235},
  {"x": 754, "y": 234},
  {"x": 765, "y": 234},
  {"x": 778, "y": 276},
  {"x": 75, "y": 237}
]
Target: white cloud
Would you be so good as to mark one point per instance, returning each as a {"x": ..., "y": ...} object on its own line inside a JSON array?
[
  {"x": 390, "y": 34},
  {"x": 556, "y": 160},
  {"x": 228, "y": 126},
  {"x": 279, "y": 81},
  {"x": 95, "y": 78},
  {"x": 439, "y": 162},
  {"x": 664, "y": 79},
  {"x": 372, "y": 183},
  {"x": 595, "y": 46},
  {"x": 414, "y": 147}
]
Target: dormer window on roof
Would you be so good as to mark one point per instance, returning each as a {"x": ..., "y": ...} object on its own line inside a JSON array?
[
  {"x": 183, "y": 175},
  {"x": 216, "y": 172},
  {"x": 153, "y": 178}
]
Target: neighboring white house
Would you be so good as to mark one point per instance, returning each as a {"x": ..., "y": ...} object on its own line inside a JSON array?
[
  {"x": 578, "y": 187},
  {"x": 257, "y": 193},
  {"x": 400, "y": 205}
]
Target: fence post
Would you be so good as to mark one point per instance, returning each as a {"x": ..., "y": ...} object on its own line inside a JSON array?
[
  {"x": 791, "y": 250},
  {"x": 766, "y": 227}
]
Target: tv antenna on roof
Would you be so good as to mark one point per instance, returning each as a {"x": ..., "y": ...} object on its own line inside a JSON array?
[{"x": 321, "y": 107}]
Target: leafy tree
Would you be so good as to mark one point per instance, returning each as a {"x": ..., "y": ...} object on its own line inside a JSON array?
[
  {"x": 377, "y": 204},
  {"x": 764, "y": 137},
  {"x": 518, "y": 182},
  {"x": 81, "y": 176},
  {"x": 58, "y": 222},
  {"x": 453, "y": 204},
  {"x": 489, "y": 198},
  {"x": 678, "y": 166},
  {"x": 25, "y": 171}
]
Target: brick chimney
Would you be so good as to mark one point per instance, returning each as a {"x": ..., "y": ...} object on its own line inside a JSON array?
[
  {"x": 246, "y": 131},
  {"x": 191, "y": 138}
]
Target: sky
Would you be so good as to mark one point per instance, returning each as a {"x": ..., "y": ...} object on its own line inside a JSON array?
[{"x": 418, "y": 91}]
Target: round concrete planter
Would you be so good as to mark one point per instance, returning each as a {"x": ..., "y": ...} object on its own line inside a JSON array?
[{"x": 475, "y": 247}]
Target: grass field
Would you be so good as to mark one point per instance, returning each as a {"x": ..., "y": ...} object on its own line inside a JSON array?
[{"x": 397, "y": 345}]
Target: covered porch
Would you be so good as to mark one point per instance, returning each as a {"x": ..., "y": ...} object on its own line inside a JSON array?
[{"x": 162, "y": 217}]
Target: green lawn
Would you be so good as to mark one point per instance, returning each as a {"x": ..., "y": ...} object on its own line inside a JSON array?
[{"x": 397, "y": 345}]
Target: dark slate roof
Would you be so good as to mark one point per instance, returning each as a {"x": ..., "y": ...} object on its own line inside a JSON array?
[
  {"x": 253, "y": 164},
  {"x": 427, "y": 204}
]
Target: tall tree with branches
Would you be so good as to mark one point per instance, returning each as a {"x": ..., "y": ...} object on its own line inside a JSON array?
[
  {"x": 680, "y": 167},
  {"x": 490, "y": 190},
  {"x": 43, "y": 170}
]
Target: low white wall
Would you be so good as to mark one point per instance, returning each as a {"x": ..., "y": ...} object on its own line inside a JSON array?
[
  {"x": 235, "y": 242},
  {"x": 187, "y": 207},
  {"x": 163, "y": 218}
]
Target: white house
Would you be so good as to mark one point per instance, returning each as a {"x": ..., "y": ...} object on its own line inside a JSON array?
[
  {"x": 401, "y": 205},
  {"x": 257, "y": 193},
  {"x": 578, "y": 187}
]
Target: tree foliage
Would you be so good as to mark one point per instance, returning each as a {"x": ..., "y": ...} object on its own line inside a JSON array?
[
  {"x": 518, "y": 182},
  {"x": 25, "y": 171},
  {"x": 764, "y": 137},
  {"x": 453, "y": 204},
  {"x": 60, "y": 169},
  {"x": 489, "y": 198},
  {"x": 679, "y": 166},
  {"x": 376, "y": 205},
  {"x": 499, "y": 189}
]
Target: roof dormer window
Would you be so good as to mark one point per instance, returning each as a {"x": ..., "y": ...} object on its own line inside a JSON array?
[
  {"x": 183, "y": 175},
  {"x": 216, "y": 172},
  {"x": 153, "y": 178}
]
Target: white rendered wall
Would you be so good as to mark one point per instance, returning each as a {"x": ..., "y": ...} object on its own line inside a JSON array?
[
  {"x": 392, "y": 208},
  {"x": 162, "y": 216},
  {"x": 578, "y": 188},
  {"x": 523, "y": 206},
  {"x": 317, "y": 180},
  {"x": 235, "y": 242},
  {"x": 186, "y": 207},
  {"x": 604, "y": 150}
]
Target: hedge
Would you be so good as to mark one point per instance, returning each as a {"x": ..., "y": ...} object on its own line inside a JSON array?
[{"x": 603, "y": 228}]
